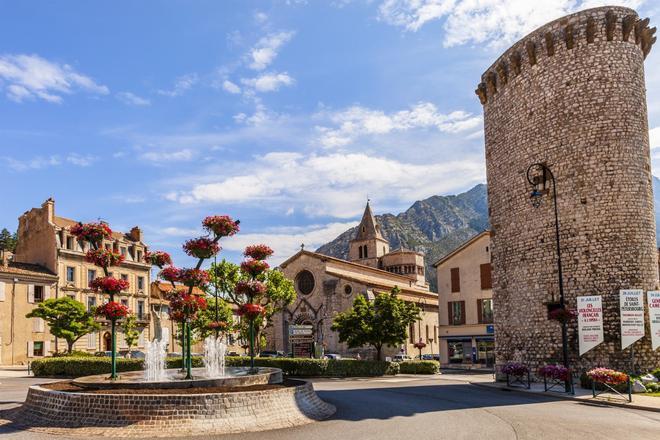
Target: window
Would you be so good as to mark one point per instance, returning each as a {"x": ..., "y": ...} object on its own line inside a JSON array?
[
  {"x": 427, "y": 333},
  {"x": 305, "y": 282},
  {"x": 38, "y": 294},
  {"x": 69, "y": 242},
  {"x": 70, "y": 274},
  {"x": 139, "y": 255},
  {"x": 124, "y": 277},
  {"x": 91, "y": 303},
  {"x": 38, "y": 348},
  {"x": 411, "y": 333},
  {"x": 140, "y": 309},
  {"x": 455, "y": 279},
  {"x": 456, "y": 310},
  {"x": 360, "y": 249},
  {"x": 124, "y": 251},
  {"x": 124, "y": 302},
  {"x": 485, "y": 311},
  {"x": 486, "y": 280},
  {"x": 140, "y": 283},
  {"x": 366, "y": 254},
  {"x": 91, "y": 275}
]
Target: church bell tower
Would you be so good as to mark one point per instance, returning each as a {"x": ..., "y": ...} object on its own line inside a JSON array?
[{"x": 369, "y": 245}]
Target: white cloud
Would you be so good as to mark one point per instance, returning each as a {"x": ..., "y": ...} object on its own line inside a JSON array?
[
  {"x": 654, "y": 138},
  {"x": 230, "y": 87},
  {"x": 132, "y": 99},
  {"x": 41, "y": 162},
  {"x": 268, "y": 82},
  {"x": 359, "y": 121},
  {"x": 33, "y": 77},
  {"x": 81, "y": 160},
  {"x": 332, "y": 184},
  {"x": 266, "y": 50},
  {"x": 168, "y": 156},
  {"x": 181, "y": 85},
  {"x": 498, "y": 22},
  {"x": 260, "y": 17},
  {"x": 286, "y": 241}
]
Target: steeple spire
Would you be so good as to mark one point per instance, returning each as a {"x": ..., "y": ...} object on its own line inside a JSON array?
[{"x": 368, "y": 227}]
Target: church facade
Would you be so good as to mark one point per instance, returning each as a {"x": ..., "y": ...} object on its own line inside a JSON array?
[{"x": 326, "y": 286}]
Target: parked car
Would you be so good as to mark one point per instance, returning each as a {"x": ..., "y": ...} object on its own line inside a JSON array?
[
  {"x": 103, "y": 353},
  {"x": 334, "y": 356},
  {"x": 235, "y": 354},
  {"x": 133, "y": 354},
  {"x": 271, "y": 354},
  {"x": 429, "y": 357},
  {"x": 402, "y": 358}
]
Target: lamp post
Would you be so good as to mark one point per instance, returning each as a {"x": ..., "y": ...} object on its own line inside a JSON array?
[{"x": 538, "y": 190}]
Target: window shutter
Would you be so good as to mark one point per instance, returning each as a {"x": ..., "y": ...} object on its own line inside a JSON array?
[
  {"x": 2, "y": 291},
  {"x": 480, "y": 311},
  {"x": 450, "y": 312},
  {"x": 30, "y": 349},
  {"x": 31, "y": 293},
  {"x": 486, "y": 276},
  {"x": 462, "y": 312},
  {"x": 46, "y": 292},
  {"x": 37, "y": 325},
  {"x": 455, "y": 280},
  {"x": 46, "y": 348}
]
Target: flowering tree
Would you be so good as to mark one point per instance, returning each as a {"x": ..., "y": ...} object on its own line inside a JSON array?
[
  {"x": 184, "y": 305},
  {"x": 94, "y": 234}
]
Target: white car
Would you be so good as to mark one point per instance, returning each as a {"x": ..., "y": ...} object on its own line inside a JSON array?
[{"x": 401, "y": 358}]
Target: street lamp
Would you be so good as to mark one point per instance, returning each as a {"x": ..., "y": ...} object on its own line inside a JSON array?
[{"x": 538, "y": 182}]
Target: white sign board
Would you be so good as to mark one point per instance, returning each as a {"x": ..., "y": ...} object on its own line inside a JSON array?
[
  {"x": 301, "y": 330},
  {"x": 653, "y": 299},
  {"x": 631, "y": 314},
  {"x": 590, "y": 322}
]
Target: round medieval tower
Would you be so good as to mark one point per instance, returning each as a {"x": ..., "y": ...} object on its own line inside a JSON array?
[{"x": 570, "y": 95}]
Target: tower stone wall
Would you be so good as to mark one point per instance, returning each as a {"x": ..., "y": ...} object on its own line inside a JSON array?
[{"x": 570, "y": 95}]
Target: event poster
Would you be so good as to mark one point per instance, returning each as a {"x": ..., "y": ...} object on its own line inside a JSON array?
[
  {"x": 653, "y": 300},
  {"x": 590, "y": 322},
  {"x": 631, "y": 314}
]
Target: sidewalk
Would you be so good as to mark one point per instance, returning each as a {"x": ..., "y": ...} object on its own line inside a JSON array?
[{"x": 14, "y": 371}]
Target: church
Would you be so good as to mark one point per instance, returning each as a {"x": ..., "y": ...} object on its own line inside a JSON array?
[{"x": 326, "y": 286}]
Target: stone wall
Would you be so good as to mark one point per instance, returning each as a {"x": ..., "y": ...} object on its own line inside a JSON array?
[{"x": 570, "y": 95}]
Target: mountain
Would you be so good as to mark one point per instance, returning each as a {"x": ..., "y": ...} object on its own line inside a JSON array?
[{"x": 434, "y": 226}]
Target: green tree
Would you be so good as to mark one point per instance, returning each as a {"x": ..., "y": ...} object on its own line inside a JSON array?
[
  {"x": 8, "y": 240},
  {"x": 202, "y": 325},
  {"x": 383, "y": 321},
  {"x": 67, "y": 318},
  {"x": 131, "y": 333}
]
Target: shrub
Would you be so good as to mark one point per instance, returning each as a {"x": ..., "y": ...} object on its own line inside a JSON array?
[
  {"x": 74, "y": 353},
  {"x": 656, "y": 373},
  {"x": 419, "y": 367},
  {"x": 71, "y": 366},
  {"x": 653, "y": 387},
  {"x": 175, "y": 362},
  {"x": 320, "y": 367}
]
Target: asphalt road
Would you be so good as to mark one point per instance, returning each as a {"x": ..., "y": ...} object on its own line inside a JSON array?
[{"x": 439, "y": 408}]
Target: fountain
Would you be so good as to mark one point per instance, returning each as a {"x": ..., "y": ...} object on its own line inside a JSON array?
[
  {"x": 214, "y": 356},
  {"x": 155, "y": 360}
]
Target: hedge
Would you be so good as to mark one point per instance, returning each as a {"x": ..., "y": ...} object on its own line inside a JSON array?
[
  {"x": 88, "y": 366},
  {"x": 419, "y": 367}
]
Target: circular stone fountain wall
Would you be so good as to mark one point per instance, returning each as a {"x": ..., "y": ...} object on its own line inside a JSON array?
[{"x": 167, "y": 414}]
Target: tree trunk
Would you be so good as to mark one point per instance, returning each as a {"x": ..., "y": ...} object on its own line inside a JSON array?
[
  {"x": 378, "y": 349},
  {"x": 69, "y": 345}
]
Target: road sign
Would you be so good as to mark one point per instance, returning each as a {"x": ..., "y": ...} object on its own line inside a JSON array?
[{"x": 301, "y": 330}]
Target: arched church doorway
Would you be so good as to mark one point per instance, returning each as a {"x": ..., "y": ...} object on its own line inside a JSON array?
[{"x": 107, "y": 342}]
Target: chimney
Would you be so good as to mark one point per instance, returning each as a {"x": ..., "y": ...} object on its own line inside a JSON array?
[
  {"x": 5, "y": 258},
  {"x": 136, "y": 234},
  {"x": 49, "y": 206}
]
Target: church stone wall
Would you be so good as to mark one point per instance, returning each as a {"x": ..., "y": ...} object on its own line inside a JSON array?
[{"x": 570, "y": 95}]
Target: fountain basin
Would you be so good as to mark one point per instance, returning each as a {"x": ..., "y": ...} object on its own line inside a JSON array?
[{"x": 234, "y": 377}]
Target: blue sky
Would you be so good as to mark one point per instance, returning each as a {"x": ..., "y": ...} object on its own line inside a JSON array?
[{"x": 284, "y": 114}]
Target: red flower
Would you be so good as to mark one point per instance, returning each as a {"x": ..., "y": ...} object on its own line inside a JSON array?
[
  {"x": 104, "y": 257},
  {"x": 252, "y": 311},
  {"x": 254, "y": 267},
  {"x": 258, "y": 251},
  {"x": 201, "y": 247},
  {"x": 170, "y": 273},
  {"x": 109, "y": 285},
  {"x": 186, "y": 306},
  {"x": 561, "y": 314},
  {"x": 221, "y": 225},
  {"x": 419, "y": 345},
  {"x": 92, "y": 232},
  {"x": 194, "y": 277},
  {"x": 112, "y": 310},
  {"x": 557, "y": 372},
  {"x": 219, "y": 325},
  {"x": 173, "y": 294},
  {"x": 515, "y": 369},
  {"x": 608, "y": 376},
  {"x": 251, "y": 289},
  {"x": 157, "y": 258}
]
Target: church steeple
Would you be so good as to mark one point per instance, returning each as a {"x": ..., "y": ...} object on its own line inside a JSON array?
[{"x": 368, "y": 245}]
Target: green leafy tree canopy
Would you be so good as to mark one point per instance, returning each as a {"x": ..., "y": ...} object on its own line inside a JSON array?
[
  {"x": 131, "y": 333},
  {"x": 383, "y": 321},
  {"x": 67, "y": 318},
  {"x": 8, "y": 240}
]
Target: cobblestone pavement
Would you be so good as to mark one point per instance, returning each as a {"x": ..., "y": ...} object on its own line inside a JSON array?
[{"x": 444, "y": 407}]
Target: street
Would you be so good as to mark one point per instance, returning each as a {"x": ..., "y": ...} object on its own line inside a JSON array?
[{"x": 439, "y": 407}]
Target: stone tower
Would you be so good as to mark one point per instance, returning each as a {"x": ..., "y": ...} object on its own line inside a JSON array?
[
  {"x": 369, "y": 245},
  {"x": 570, "y": 95}
]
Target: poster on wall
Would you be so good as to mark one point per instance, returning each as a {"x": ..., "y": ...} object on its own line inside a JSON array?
[
  {"x": 631, "y": 314},
  {"x": 590, "y": 322},
  {"x": 653, "y": 300}
]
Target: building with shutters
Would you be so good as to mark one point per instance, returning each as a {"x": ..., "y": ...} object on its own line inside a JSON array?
[
  {"x": 44, "y": 241},
  {"x": 326, "y": 286},
  {"x": 465, "y": 303},
  {"x": 22, "y": 287}
]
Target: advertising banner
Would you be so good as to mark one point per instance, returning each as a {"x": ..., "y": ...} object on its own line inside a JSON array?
[
  {"x": 590, "y": 322},
  {"x": 631, "y": 313},
  {"x": 653, "y": 300}
]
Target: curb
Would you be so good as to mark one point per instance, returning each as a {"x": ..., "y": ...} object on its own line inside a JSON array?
[{"x": 564, "y": 397}]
